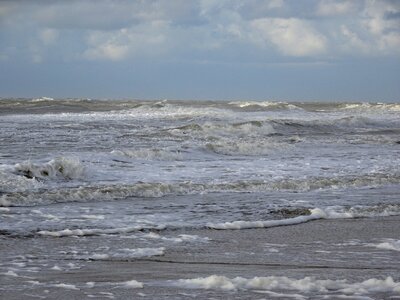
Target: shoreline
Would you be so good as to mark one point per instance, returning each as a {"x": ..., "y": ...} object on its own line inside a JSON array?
[{"x": 323, "y": 249}]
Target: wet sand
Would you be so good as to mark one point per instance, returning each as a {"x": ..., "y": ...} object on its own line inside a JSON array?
[{"x": 45, "y": 267}]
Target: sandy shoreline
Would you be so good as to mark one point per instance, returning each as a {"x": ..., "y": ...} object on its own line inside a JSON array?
[{"x": 325, "y": 249}]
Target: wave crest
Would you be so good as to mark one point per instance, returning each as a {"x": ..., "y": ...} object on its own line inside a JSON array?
[
  {"x": 160, "y": 189},
  {"x": 58, "y": 168}
]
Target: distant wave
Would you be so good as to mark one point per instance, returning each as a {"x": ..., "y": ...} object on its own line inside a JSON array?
[{"x": 50, "y": 105}]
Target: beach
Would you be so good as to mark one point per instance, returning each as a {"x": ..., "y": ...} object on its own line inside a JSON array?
[
  {"x": 321, "y": 250},
  {"x": 129, "y": 199}
]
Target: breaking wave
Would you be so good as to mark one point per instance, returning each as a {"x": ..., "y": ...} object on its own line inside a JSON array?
[
  {"x": 58, "y": 168},
  {"x": 240, "y": 129},
  {"x": 149, "y": 154},
  {"x": 245, "y": 147},
  {"x": 305, "y": 215},
  {"x": 157, "y": 189},
  {"x": 264, "y": 105},
  {"x": 314, "y": 214}
]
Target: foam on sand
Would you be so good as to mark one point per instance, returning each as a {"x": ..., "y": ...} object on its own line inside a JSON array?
[
  {"x": 133, "y": 284},
  {"x": 305, "y": 285},
  {"x": 129, "y": 254}
]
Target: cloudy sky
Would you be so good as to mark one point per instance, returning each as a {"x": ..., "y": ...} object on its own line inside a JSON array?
[{"x": 206, "y": 49}]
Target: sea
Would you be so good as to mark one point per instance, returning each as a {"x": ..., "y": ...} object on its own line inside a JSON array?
[{"x": 136, "y": 181}]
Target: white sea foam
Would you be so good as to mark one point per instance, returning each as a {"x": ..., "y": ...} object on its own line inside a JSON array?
[
  {"x": 371, "y": 106},
  {"x": 388, "y": 244},
  {"x": 179, "y": 239},
  {"x": 96, "y": 231},
  {"x": 10, "y": 182},
  {"x": 245, "y": 147},
  {"x": 149, "y": 154},
  {"x": 129, "y": 254},
  {"x": 65, "y": 286},
  {"x": 61, "y": 167},
  {"x": 133, "y": 284},
  {"x": 227, "y": 130},
  {"x": 10, "y": 273},
  {"x": 315, "y": 214},
  {"x": 42, "y": 99},
  {"x": 264, "y": 104},
  {"x": 305, "y": 285}
]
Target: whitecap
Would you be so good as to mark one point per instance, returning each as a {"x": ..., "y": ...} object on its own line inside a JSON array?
[{"x": 60, "y": 167}]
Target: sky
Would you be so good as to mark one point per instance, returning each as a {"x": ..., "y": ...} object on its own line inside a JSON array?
[{"x": 284, "y": 50}]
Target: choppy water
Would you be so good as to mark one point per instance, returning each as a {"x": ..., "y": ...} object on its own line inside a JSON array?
[{"x": 90, "y": 167}]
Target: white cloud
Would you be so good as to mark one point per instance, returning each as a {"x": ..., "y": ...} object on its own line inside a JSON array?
[
  {"x": 48, "y": 36},
  {"x": 293, "y": 37},
  {"x": 352, "y": 41},
  {"x": 107, "y": 51},
  {"x": 384, "y": 31},
  {"x": 195, "y": 30},
  {"x": 117, "y": 45},
  {"x": 333, "y": 8}
]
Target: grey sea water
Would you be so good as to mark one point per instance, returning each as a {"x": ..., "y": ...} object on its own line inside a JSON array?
[{"x": 119, "y": 181}]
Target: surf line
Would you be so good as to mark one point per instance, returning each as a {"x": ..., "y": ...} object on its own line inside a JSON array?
[{"x": 316, "y": 214}]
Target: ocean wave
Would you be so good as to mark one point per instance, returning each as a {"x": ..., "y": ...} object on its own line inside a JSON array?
[
  {"x": 41, "y": 99},
  {"x": 158, "y": 189},
  {"x": 315, "y": 214},
  {"x": 58, "y": 168},
  {"x": 365, "y": 106},
  {"x": 305, "y": 285},
  {"x": 246, "y": 147},
  {"x": 49, "y": 105},
  {"x": 264, "y": 105},
  {"x": 238, "y": 129},
  {"x": 333, "y": 124},
  {"x": 149, "y": 154}
]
